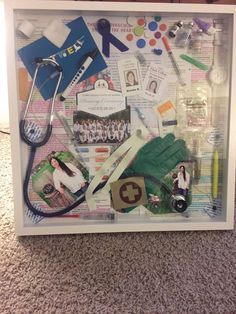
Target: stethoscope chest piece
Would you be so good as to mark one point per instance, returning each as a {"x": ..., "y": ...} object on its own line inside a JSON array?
[{"x": 178, "y": 203}]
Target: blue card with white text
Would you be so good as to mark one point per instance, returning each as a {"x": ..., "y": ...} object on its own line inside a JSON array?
[{"x": 69, "y": 56}]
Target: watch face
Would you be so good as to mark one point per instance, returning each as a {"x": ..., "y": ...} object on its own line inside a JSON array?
[{"x": 217, "y": 75}]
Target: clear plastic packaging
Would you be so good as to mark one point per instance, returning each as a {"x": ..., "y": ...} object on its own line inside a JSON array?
[{"x": 194, "y": 106}]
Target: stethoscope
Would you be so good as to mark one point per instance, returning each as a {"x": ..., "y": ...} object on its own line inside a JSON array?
[{"x": 31, "y": 135}]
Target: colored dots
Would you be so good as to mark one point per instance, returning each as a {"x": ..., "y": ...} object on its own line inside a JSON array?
[
  {"x": 131, "y": 20},
  {"x": 152, "y": 42},
  {"x": 157, "y": 35},
  {"x": 141, "y": 22},
  {"x": 129, "y": 37},
  {"x": 157, "y": 18},
  {"x": 138, "y": 31},
  {"x": 141, "y": 43},
  {"x": 152, "y": 26},
  {"x": 148, "y": 34},
  {"x": 163, "y": 27}
]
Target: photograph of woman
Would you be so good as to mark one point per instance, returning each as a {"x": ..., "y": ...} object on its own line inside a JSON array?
[
  {"x": 69, "y": 176},
  {"x": 152, "y": 87},
  {"x": 131, "y": 78},
  {"x": 183, "y": 179}
]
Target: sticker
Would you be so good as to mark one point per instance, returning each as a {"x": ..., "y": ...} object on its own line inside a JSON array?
[
  {"x": 152, "y": 42},
  {"x": 141, "y": 22},
  {"x": 128, "y": 192},
  {"x": 130, "y": 37},
  {"x": 148, "y": 34},
  {"x": 130, "y": 77},
  {"x": 152, "y": 26},
  {"x": 157, "y": 18},
  {"x": 138, "y": 31},
  {"x": 157, "y": 35},
  {"x": 166, "y": 113},
  {"x": 131, "y": 20},
  {"x": 141, "y": 43},
  {"x": 163, "y": 27}
]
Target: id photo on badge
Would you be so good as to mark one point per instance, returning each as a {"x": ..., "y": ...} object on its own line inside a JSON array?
[
  {"x": 152, "y": 86},
  {"x": 131, "y": 78}
]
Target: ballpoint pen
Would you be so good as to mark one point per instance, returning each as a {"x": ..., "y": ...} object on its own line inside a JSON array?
[
  {"x": 174, "y": 62},
  {"x": 88, "y": 59}
]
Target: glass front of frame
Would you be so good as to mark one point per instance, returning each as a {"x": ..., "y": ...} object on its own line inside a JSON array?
[{"x": 143, "y": 101}]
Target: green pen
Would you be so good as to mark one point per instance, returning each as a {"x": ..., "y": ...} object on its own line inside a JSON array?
[{"x": 195, "y": 62}]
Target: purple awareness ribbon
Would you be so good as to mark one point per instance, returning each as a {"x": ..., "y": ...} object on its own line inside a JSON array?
[{"x": 104, "y": 29}]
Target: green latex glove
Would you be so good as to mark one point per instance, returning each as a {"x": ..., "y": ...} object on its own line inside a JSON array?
[{"x": 157, "y": 158}]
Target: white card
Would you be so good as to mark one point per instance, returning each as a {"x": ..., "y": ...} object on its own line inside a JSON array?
[
  {"x": 101, "y": 100},
  {"x": 130, "y": 77},
  {"x": 154, "y": 82}
]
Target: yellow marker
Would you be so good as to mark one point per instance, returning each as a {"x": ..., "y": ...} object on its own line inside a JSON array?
[{"x": 215, "y": 174}]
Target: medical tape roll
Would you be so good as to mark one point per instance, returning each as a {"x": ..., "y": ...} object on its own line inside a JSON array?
[{"x": 131, "y": 146}]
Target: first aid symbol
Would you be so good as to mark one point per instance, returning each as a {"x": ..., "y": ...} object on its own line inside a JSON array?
[{"x": 130, "y": 192}]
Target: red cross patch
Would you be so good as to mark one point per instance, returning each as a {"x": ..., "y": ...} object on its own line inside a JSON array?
[{"x": 128, "y": 192}]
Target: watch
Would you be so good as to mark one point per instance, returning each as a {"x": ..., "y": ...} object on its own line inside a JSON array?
[{"x": 217, "y": 74}]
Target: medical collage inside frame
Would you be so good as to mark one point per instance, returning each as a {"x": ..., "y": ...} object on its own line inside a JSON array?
[{"x": 123, "y": 119}]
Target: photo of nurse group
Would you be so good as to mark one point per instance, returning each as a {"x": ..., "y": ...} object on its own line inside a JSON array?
[{"x": 138, "y": 105}]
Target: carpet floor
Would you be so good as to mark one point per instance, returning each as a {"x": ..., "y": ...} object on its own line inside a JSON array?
[{"x": 165, "y": 272}]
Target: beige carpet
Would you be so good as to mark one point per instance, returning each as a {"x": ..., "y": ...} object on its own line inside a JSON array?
[{"x": 184, "y": 272}]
